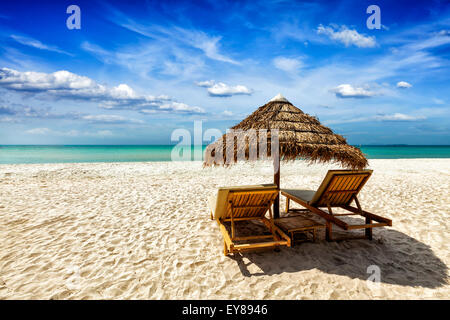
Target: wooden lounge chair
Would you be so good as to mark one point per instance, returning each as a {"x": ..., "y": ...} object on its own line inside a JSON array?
[
  {"x": 234, "y": 204},
  {"x": 338, "y": 189}
]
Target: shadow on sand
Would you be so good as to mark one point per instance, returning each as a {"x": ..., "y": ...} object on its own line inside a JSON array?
[{"x": 401, "y": 259}]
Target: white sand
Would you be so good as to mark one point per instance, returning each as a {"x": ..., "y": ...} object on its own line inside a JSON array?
[{"x": 141, "y": 231}]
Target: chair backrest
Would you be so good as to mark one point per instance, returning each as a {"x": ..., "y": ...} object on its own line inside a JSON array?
[
  {"x": 339, "y": 187},
  {"x": 246, "y": 201}
]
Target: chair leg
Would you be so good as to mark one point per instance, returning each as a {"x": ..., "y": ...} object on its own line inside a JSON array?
[
  {"x": 287, "y": 205},
  {"x": 368, "y": 230},
  {"x": 232, "y": 223},
  {"x": 225, "y": 249},
  {"x": 271, "y": 222},
  {"x": 292, "y": 235}
]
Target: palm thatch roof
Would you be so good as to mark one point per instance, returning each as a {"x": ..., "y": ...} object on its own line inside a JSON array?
[{"x": 299, "y": 134}]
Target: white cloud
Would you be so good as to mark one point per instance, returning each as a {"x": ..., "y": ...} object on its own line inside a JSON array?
[
  {"x": 109, "y": 118},
  {"x": 205, "y": 84},
  {"x": 347, "y": 36},
  {"x": 20, "y": 112},
  {"x": 348, "y": 91},
  {"x": 151, "y": 58},
  {"x": 398, "y": 117},
  {"x": 209, "y": 45},
  {"x": 403, "y": 85},
  {"x": 39, "y": 131},
  {"x": 394, "y": 117},
  {"x": 123, "y": 91},
  {"x": 8, "y": 119},
  {"x": 221, "y": 89},
  {"x": 37, "y": 44},
  {"x": 288, "y": 64},
  {"x": 66, "y": 85},
  {"x": 104, "y": 133},
  {"x": 438, "y": 101},
  {"x": 69, "y": 133},
  {"x": 55, "y": 82},
  {"x": 227, "y": 113},
  {"x": 96, "y": 50},
  {"x": 181, "y": 107}
]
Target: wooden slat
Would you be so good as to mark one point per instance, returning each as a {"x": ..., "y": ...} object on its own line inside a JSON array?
[
  {"x": 357, "y": 186},
  {"x": 237, "y": 202},
  {"x": 258, "y": 199},
  {"x": 359, "y": 179},
  {"x": 340, "y": 191},
  {"x": 297, "y": 223},
  {"x": 239, "y": 219},
  {"x": 346, "y": 180},
  {"x": 266, "y": 200},
  {"x": 348, "y": 187},
  {"x": 361, "y": 185},
  {"x": 248, "y": 246},
  {"x": 370, "y": 215},
  {"x": 240, "y": 202},
  {"x": 331, "y": 186},
  {"x": 253, "y": 237},
  {"x": 228, "y": 208},
  {"x": 250, "y": 206},
  {"x": 343, "y": 188},
  {"x": 252, "y": 200},
  {"x": 277, "y": 230},
  {"x": 369, "y": 225},
  {"x": 246, "y": 211},
  {"x": 342, "y": 181},
  {"x": 321, "y": 213},
  {"x": 262, "y": 200},
  {"x": 364, "y": 180},
  {"x": 334, "y": 183},
  {"x": 345, "y": 196},
  {"x": 253, "y": 192}
]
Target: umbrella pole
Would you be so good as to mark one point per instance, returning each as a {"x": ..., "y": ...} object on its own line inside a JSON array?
[{"x": 276, "y": 180}]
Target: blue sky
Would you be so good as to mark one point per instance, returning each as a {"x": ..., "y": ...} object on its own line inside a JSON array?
[{"x": 135, "y": 72}]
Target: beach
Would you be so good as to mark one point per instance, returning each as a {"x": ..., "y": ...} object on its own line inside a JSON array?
[{"x": 141, "y": 230}]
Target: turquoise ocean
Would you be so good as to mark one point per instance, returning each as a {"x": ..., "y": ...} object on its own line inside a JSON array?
[{"x": 70, "y": 154}]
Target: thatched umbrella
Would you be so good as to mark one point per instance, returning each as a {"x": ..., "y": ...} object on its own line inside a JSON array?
[{"x": 299, "y": 135}]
